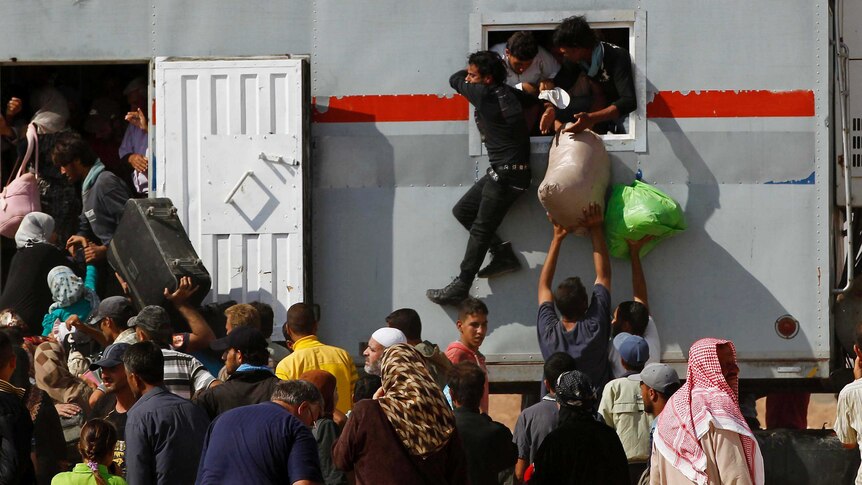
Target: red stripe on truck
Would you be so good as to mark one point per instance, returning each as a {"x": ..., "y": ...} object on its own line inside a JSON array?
[
  {"x": 731, "y": 104},
  {"x": 395, "y": 107},
  {"x": 665, "y": 104}
]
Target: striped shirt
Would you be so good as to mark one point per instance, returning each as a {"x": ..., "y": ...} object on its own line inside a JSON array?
[{"x": 184, "y": 374}]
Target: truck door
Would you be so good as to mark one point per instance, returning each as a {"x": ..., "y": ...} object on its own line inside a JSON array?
[{"x": 230, "y": 151}]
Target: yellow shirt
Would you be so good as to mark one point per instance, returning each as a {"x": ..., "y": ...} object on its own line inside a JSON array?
[{"x": 310, "y": 354}]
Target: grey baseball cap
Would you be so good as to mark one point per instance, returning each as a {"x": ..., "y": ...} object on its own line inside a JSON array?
[
  {"x": 657, "y": 376},
  {"x": 119, "y": 308},
  {"x": 153, "y": 319}
]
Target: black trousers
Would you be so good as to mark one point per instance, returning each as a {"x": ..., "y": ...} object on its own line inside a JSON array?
[{"x": 480, "y": 211}]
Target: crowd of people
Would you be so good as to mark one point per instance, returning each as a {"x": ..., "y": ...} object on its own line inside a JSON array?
[{"x": 92, "y": 391}]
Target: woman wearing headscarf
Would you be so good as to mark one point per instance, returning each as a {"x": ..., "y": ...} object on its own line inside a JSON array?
[
  {"x": 407, "y": 434},
  {"x": 325, "y": 430},
  {"x": 26, "y": 290},
  {"x": 701, "y": 436},
  {"x": 57, "y": 195},
  {"x": 582, "y": 450}
]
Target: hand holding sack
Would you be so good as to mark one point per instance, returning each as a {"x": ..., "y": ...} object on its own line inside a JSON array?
[
  {"x": 639, "y": 210},
  {"x": 579, "y": 171}
]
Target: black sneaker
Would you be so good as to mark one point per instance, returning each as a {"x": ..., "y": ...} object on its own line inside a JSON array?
[
  {"x": 503, "y": 260},
  {"x": 453, "y": 294}
]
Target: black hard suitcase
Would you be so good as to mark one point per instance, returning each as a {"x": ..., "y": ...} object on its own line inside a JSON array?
[{"x": 151, "y": 251}]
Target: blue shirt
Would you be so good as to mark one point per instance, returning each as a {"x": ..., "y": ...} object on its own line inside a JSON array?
[
  {"x": 587, "y": 343},
  {"x": 262, "y": 443},
  {"x": 164, "y": 436}
]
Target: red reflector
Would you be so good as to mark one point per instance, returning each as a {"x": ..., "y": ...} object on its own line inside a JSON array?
[{"x": 786, "y": 326}]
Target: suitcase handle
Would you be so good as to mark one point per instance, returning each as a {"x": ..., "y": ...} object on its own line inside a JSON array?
[
  {"x": 186, "y": 263},
  {"x": 161, "y": 212}
]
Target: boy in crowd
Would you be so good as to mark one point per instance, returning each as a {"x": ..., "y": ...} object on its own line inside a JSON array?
[{"x": 473, "y": 326}]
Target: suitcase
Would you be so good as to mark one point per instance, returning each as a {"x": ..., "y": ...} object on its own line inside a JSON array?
[{"x": 151, "y": 251}]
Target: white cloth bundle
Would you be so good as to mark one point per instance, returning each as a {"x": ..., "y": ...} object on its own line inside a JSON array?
[{"x": 578, "y": 173}]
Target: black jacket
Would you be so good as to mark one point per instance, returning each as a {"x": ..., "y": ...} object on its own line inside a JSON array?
[
  {"x": 615, "y": 77},
  {"x": 16, "y": 431},
  {"x": 488, "y": 445},
  {"x": 26, "y": 290},
  {"x": 241, "y": 389},
  {"x": 103, "y": 208}
]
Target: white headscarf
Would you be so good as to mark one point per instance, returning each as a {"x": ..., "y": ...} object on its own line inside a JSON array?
[
  {"x": 387, "y": 337},
  {"x": 35, "y": 228},
  {"x": 52, "y": 110}
]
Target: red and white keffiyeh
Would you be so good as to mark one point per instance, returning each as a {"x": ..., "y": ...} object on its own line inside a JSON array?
[{"x": 705, "y": 398}]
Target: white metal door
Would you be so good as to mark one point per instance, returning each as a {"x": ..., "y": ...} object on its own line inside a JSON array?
[{"x": 229, "y": 153}]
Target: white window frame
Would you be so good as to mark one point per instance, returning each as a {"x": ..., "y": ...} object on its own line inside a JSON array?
[{"x": 634, "y": 20}]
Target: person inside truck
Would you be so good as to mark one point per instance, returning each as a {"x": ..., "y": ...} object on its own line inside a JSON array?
[
  {"x": 585, "y": 326},
  {"x": 605, "y": 65},
  {"x": 133, "y": 148},
  {"x": 499, "y": 116},
  {"x": 104, "y": 197},
  {"x": 527, "y": 63},
  {"x": 705, "y": 438}
]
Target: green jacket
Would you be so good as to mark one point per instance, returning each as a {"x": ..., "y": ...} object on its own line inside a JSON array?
[{"x": 82, "y": 475}]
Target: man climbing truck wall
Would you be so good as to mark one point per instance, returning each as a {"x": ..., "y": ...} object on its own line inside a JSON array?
[{"x": 499, "y": 116}]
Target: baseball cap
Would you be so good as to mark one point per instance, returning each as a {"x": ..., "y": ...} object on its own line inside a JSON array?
[
  {"x": 154, "y": 319},
  {"x": 657, "y": 376},
  {"x": 632, "y": 348},
  {"x": 245, "y": 339},
  {"x": 112, "y": 356},
  {"x": 117, "y": 307}
]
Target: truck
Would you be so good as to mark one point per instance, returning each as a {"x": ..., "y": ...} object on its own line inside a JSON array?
[{"x": 314, "y": 150}]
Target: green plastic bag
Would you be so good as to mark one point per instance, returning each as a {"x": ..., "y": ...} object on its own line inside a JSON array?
[{"x": 639, "y": 210}]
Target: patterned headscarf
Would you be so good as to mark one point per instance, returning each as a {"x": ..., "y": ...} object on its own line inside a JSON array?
[
  {"x": 705, "y": 398},
  {"x": 66, "y": 286},
  {"x": 576, "y": 396},
  {"x": 36, "y": 227},
  {"x": 413, "y": 403}
]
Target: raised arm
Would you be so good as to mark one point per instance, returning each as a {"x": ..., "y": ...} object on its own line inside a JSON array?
[
  {"x": 639, "y": 287},
  {"x": 200, "y": 334},
  {"x": 546, "y": 278},
  {"x": 594, "y": 220}
]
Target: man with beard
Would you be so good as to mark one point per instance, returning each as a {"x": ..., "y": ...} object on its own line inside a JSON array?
[
  {"x": 380, "y": 340},
  {"x": 114, "y": 407},
  {"x": 702, "y": 437}
]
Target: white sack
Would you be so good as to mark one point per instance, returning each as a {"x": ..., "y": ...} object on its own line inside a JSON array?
[{"x": 578, "y": 173}]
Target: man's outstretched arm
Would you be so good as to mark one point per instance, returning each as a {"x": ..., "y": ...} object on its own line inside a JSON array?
[
  {"x": 594, "y": 220},
  {"x": 546, "y": 278},
  {"x": 639, "y": 287}
]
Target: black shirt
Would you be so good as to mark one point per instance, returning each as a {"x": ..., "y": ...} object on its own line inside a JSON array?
[
  {"x": 614, "y": 77},
  {"x": 16, "y": 431},
  {"x": 581, "y": 451},
  {"x": 106, "y": 409},
  {"x": 26, "y": 290},
  {"x": 241, "y": 389},
  {"x": 488, "y": 445},
  {"x": 103, "y": 208},
  {"x": 500, "y": 118}
]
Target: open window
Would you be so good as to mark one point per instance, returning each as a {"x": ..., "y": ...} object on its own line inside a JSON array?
[{"x": 625, "y": 28}]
